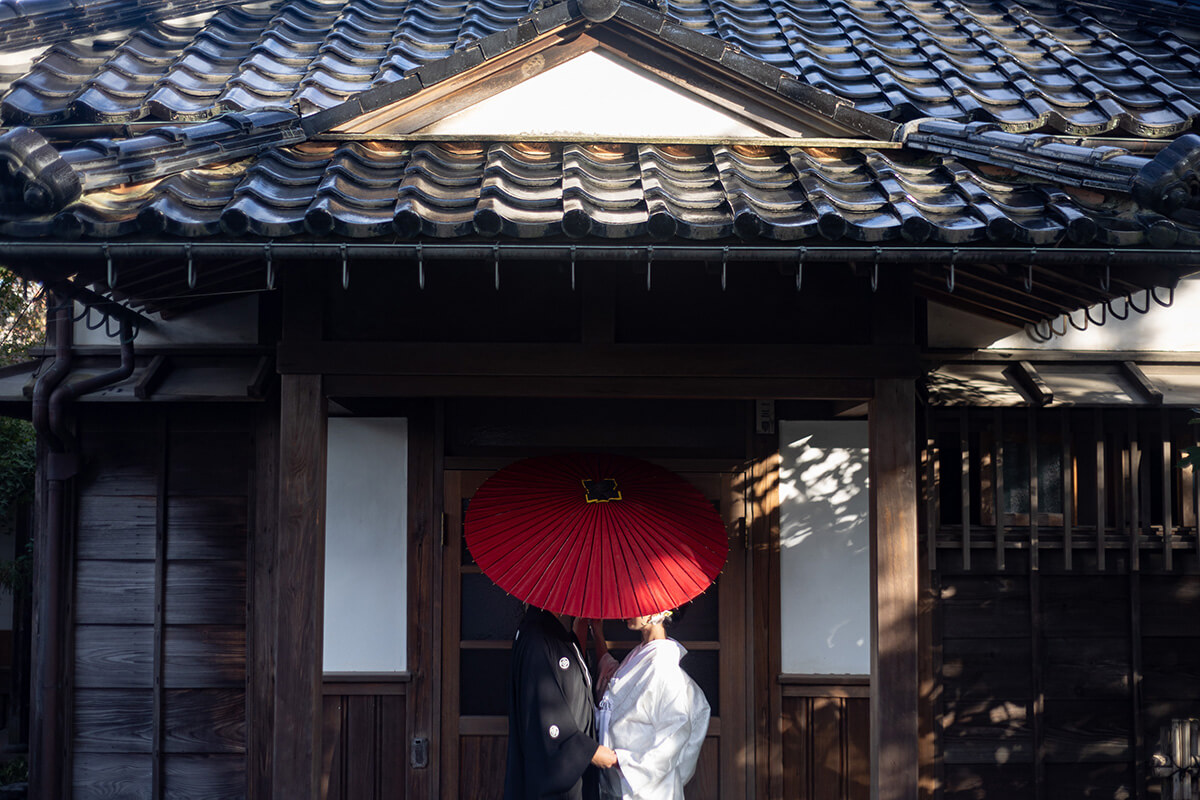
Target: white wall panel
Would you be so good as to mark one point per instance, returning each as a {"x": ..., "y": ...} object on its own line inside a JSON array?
[
  {"x": 824, "y": 538},
  {"x": 366, "y": 542}
]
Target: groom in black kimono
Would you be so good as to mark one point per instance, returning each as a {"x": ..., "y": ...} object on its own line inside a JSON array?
[{"x": 552, "y": 747}]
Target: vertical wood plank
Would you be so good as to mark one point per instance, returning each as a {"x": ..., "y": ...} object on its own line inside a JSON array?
[
  {"x": 858, "y": 750},
  {"x": 736, "y": 740},
  {"x": 456, "y": 489},
  {"x": 393, "y": 764},
  {"x": 1133, "y": 462},
  {"x": 894, "y": 587},
  {"x": 1034, "y": 538},
  {"x": 1101, "y": 496},
  {"x": 160, "y": 588},
  {"x": 1195, "y": 493},
  {"x": 300, "y": 575},
  {"x": 1037, "y": 660},
  {"x": 1137, "y": 723},
  {"x": 1068, "y": 498},
  {"x": 762, "y": 608},
  {"x": 361, "y": 743},
  {"x": 1169, "y": 477},
  {"x": 965, "y": 455},
  {"x": 827, "y": 748},
  {"x": 262, "y": 598},
  {"x": 424, "y": 598},
  {"x": 332, "y": 749},
  {"x": 998, "y": 504},
  {"x": 933, "y": 515},
  {"x": 927, "y": 670}
]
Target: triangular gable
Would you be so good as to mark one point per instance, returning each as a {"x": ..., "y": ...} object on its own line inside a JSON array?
[
  {"x": 616, "y": 78},
  {"x": 597, "y": 94}
]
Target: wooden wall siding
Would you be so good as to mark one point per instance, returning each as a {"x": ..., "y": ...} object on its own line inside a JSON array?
[
  {"x": 366, "y": 745},
  {"x": 1061, "y": 645},
  {"x": 826, "y": 747},
  {"x": 160, "y": 639}
]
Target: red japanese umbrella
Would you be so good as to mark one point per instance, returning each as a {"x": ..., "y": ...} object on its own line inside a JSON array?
[{"x": 595, "y": 535}]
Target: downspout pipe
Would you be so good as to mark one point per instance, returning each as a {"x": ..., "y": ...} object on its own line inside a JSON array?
[
  {"x": 51, "y": 396},
  {"x": 65, "y": 392},
  {"x": 46, "y": 711}
]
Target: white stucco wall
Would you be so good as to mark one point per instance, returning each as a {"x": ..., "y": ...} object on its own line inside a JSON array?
[
  {"x": 595, "y": 95},
  {"x": 1173, "y": 329},
  {"x": 824, "y": 538},
  {"x": 366, "y": 545},
  {"x": 231, "y": 322}
]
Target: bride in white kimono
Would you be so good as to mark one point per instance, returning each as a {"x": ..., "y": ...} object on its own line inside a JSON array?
[{"x": 651, "y": 713}]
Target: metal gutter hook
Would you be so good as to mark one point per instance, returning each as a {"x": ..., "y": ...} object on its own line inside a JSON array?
[
  {"x": 800, "y": 267},
  {"x": 950, "y": 276},
  {"x": 112, "y": 271},
  {"x": 345, "y": 266},
  {"x": 420, "y": 266},
  {"x": 496, "y": 264},
  {"x": 1170, "y": 297},
  {"x": 191, "y": 266},
  {"x": 1108, "y": 304},
  {"x": 1034, "y": 332},
  {"x": 1029, "y": 276},
  {"x": 649, "y": 264},
  {"x": 1103, "y": 314},
  {"x": 1071, "y": 318},
  {"x": 724, "y": 265},
  {"x": 1129, "y": 301},
  {"x": 270, "y": 267},
  {"x": 875, "y": 271},
  {"x": 572, "y": 268}
]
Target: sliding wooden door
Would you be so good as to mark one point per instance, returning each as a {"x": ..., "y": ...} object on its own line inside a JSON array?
[{"x": 478, "y": 625}]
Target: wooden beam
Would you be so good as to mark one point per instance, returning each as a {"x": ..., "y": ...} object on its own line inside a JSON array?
[
  {"x": 365, "y": 386},
  {"x": 300, "y": 579},
  {"x": 151, "y": 378},
  {"x": 894, "y": 592},
  {"x": 1145, "y": 387},
  {"x": 1029, "y": 384},
  {"x": 599, "y": 360}
]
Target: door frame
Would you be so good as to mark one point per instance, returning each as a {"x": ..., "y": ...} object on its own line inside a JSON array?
[{"x": 736, "y": 725}]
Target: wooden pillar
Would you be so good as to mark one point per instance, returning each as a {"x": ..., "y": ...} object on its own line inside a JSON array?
[
  {"x": 300, "y": 589},
  {"x": 894, "y": 578}
]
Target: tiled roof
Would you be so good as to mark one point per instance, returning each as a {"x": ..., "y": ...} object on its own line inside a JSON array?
[
  {"x": 717, "y": 193},
  {"x": 1027, "y": 66},
  {"x": 28, "y": 23}
]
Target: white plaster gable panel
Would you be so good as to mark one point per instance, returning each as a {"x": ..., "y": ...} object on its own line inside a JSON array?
[{"x": 597, "y": 94}]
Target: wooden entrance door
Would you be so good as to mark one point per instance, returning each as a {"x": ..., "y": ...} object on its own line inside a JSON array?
[{"x": 478, "y": 625}]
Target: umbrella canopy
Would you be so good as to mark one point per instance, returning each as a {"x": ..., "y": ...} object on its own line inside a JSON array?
[{"x": 595, "y": 535}]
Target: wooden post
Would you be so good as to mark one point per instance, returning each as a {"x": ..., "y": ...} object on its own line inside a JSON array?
[
  {"x": 894, "y": 580},
  {"x": 300, "y": 587}
]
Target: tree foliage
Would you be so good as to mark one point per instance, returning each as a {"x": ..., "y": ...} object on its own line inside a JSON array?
[{"x": 22, "y": 325}]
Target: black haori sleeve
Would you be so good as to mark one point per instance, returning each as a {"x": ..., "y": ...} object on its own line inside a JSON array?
[{"x": 548, "y": 745}]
